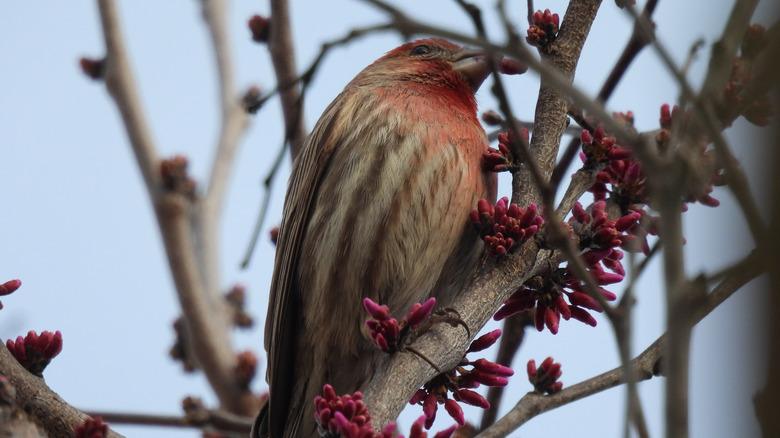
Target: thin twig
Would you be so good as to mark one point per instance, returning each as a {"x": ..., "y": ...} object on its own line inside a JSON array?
[
  {"x": 219, "y": 420},
  {"x": 644, "y": 366},
  {"x": 121, "y": 86},
  {"x": 283, "y": 58}
]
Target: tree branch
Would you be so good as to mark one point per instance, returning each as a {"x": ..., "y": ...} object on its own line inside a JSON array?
[
  {"x": 206, "y": 326},
  {"x": 49, "y": 410},
  {"x": 234, "y": 121},
  {"x": 121, "y": 85},
  {"x": 650, "y": 362}
]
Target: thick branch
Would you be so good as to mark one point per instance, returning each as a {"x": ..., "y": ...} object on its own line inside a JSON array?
[
  {"x": 57, "y": 417},
  {"x": 208, "y": 338}
]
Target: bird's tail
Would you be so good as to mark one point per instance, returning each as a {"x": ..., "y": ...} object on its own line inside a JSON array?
[{"x": 260, "y": 428}]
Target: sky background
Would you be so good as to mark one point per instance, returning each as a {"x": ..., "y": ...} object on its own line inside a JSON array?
[{"x": 79, "y": 231}]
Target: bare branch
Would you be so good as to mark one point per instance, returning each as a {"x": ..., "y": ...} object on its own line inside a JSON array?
[
  {"x": 283, "y": 58},
  {"x": 121, "y": 85},
  {"x": 205, "y": 322},
  {"x": 219, "y": 420},
  {"x": 233, "y": 124},
  {"x": 33, "y": 396}
]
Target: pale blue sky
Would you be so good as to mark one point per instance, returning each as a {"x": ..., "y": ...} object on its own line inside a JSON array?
[{"x": 80, "y": 233}]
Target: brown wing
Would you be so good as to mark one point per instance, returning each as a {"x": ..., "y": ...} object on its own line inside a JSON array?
[{"x": 284, "y": 307}]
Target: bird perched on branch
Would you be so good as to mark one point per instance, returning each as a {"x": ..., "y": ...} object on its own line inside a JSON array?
[{"x": 377, "y": 206}]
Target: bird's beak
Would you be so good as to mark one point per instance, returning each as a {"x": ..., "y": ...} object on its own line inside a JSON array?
[{"x": 474, "y": 65}]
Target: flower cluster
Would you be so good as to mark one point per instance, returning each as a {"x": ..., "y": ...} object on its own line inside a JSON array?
[
  {"x": 543, "y": 29},
  {"x": 345, "y": 416},
  {"x": 545, "y": 378},
  {"x": 35, "y": 351},
  {"x": 460, "y": 381},
  {"x": 181, "y": 349},
  {"x": 245, "y": 369},
  {"x": 386, "y": 332},
  {"x": 599, "y": 148},
  {"x": 236, "y": 299},
  {"x": 261, "y": 28},
  {"x": 8, "y": 288},
  {"x": 548, "y": 294},
  {"x": 599, "y": 236},
  {"x": 502, "y": 226},
  {"x": 501, "y": 159},
  {"x": 175, "y": 178},
  {"x": 92, "y": 428},
  {"x": 93, "y": 68}
]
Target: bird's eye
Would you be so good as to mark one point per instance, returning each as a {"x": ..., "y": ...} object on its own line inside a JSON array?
[{"x": 421, "y": 50}]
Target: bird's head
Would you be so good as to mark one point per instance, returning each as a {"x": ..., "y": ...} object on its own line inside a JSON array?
[{"x": 434, "y": 62}]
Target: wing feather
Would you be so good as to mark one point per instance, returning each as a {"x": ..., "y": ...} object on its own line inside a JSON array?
[{"x": 282, "y": 321}]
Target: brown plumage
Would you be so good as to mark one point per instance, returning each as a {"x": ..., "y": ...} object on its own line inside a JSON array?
[{"x": 378, "y": 206}]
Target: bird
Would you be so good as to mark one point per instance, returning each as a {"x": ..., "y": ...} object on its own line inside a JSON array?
[{"x": 377, "y": 206}]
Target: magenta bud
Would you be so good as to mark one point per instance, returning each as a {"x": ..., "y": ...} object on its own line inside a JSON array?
[
  {"x": 417, "y": 428},
  {"x": 529, "y": 216},
  {"x": 627, "y": 221},
  {"x": 501, "y": 208},
  {"x": 9, "y": 286},
  {"x": 488, "y": 379},
  {"x": 484, "y": 341},
  {"x": 603, "y": 278},
  {"x": 484, "y": 207},
  {"x": 380, "y": 313},
  {"x": 470, "y": 397},
  {"x": 585, "y": 137},
  {"x": 582, "y": 315},
  {"x": 420, "y": 313},
  {"x": 539, "y": 318},
  {"x": 619, "y": 153},
  {"x": 551, "y": 320},
  {"x": 446, "y": 433},
  {"x": 554, "y": 370},
  {"x": 579, "y": 213},
  {"x": 562, "y": 307},
  {"x": 429, "y": 406},
  {"x": 484, "y": 365},
  {"x": 328, "y": 392},
  {"x": 531, "y": 368},
  {"x": 417, "y": 397},
  {"x": 453, "y": 408},
  {"x": 595, "y": 255}
]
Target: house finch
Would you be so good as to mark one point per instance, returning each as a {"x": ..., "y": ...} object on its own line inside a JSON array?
[{"x": 378, "y": 206}]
